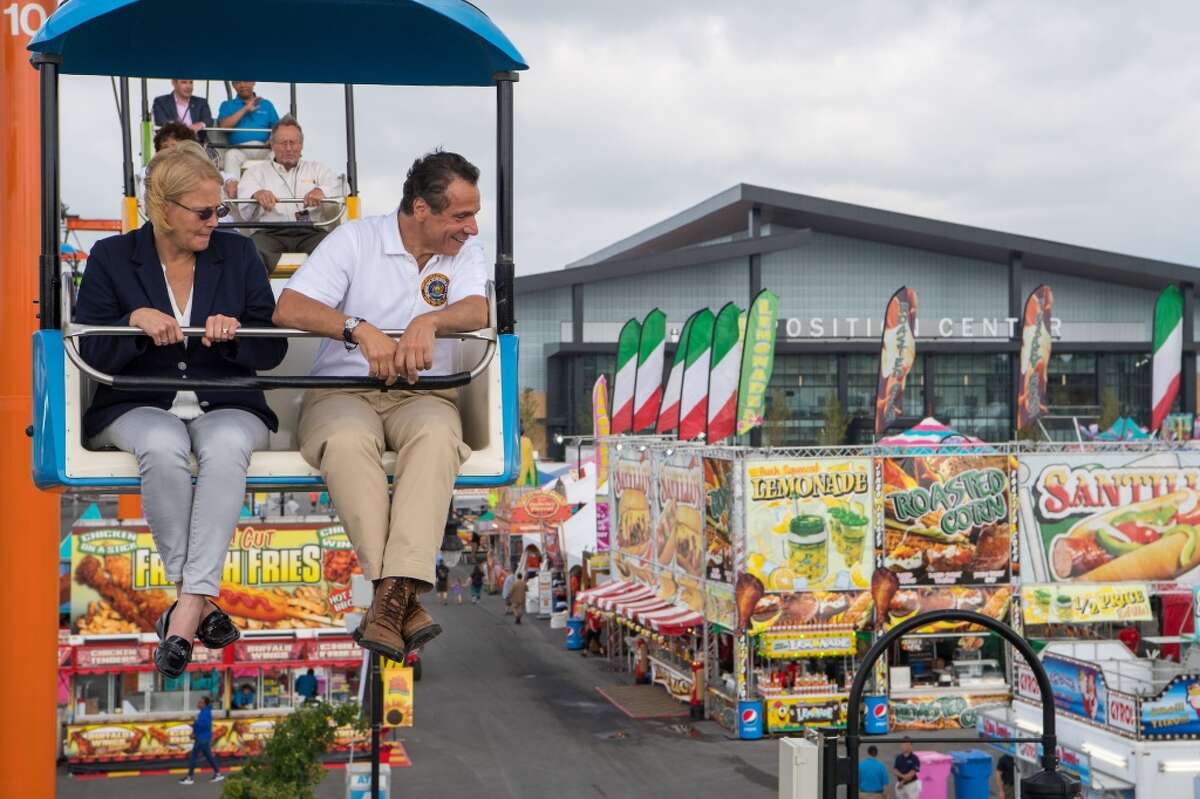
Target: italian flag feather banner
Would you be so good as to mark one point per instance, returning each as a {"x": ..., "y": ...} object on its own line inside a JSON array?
[
  {"x": 627, "y": 360},
  {"x": 648, "y": 389},
  {"x": 693, "y": 398},
  {"x": 668, "y": 414},
  {"x": 723, "y": 376},
  {"x": 758, "y": 361},
  {"x": 1168, "y": 352}
]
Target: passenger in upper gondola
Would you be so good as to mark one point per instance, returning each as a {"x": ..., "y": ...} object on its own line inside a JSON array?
[
  {"x": 288, "y": 189},
  {"x": 184, "y": 107},
  {"x": 247, "y": 110},
  {"x": 179, "y": 270}
]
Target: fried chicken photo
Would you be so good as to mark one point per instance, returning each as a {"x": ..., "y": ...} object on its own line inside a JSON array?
[{"x": 112, "y": 581}]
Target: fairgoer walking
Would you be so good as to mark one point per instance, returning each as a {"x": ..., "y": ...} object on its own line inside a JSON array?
[
  {"x": 516, "y": 598},
  {"x": 202, "y": 742}
]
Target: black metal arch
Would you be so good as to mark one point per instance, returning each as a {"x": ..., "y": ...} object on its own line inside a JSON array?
[{"x": 854, "y": 709}]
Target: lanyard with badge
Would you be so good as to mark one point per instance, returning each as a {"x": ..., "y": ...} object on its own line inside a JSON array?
[{"x": 302, "y": 215}]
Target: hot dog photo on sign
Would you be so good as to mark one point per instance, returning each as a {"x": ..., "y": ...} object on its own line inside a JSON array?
[{"x": 1112, "y": 518}]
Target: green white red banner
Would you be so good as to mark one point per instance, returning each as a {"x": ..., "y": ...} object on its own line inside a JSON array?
[
  {"x": 668, "y": 414},
  {"x": 651, "y": 352},
  {"x": 693, "y": 403},
  {"x": 1168, "y": 352},
  {"x": 626, "y": 377},
  {"x": 723, "y": 376}
]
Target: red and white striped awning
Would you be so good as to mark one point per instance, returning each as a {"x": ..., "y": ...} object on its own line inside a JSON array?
[
  {"x": 593, "y": 595},
  {"x": 636, "y": 593},
  {"x": 673, "y": 620},
  {"x": 634, "y": 610}
]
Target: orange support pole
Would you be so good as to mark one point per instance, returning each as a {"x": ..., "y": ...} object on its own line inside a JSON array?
[
  {"x": 28, "y": 648},
  {"x": 129, "y": 506}
]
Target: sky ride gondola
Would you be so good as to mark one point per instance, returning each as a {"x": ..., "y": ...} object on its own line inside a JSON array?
[{"x": 384, "y": 42}]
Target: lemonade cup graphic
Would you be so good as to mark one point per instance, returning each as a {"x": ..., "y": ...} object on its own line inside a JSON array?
[
  {"x": 807, "y": 541},
  {"x": 849, "y": 527},
  {"x": 1066, "y": 610}
]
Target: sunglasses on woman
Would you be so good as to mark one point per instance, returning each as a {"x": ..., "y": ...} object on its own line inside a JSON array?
[{"x": 206, "y": 213}]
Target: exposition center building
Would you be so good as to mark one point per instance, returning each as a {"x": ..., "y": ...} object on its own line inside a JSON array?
[{"x": 834, "y": 265}]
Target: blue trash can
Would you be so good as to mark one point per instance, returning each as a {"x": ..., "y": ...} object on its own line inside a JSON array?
[
  {"x": 972, "y": 771},
  {"x": 750, "y": 720},
  {"x": 876, "y": 722},
  {"x": 574, "y": 633}
]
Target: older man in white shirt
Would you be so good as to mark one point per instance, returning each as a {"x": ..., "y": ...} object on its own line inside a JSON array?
[
  {"x": 420, "y": 269},
  {"x": 288, "y": 189}
]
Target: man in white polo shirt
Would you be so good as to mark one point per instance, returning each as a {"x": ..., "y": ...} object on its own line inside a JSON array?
[
  {"x": 419, "y": 269},
  {"x": 288, "y": 189}
]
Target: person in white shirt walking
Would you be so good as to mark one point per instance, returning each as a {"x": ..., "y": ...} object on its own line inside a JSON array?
[
  {"x": 420, "y": 269},
  {"x": 288, "y": 189}
]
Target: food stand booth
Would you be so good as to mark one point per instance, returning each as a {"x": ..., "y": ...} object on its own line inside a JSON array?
[{"x": 292, "y": 575}]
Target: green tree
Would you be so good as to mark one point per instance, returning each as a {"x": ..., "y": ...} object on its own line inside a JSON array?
[
  {"x": 528, "y": 412},
  {"x": 833, "y": 432},
  {"x": 1110, "y": 408},
  {"x": 290, "y": 764},
  {"x": 776, "y": 418}
]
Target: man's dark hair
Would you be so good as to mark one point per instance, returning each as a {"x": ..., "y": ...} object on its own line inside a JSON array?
[
  {"x": 310, "y": 673},
  {"x": 430, "y": 176},
  {"x": 206, "y": 701},
  {"x": 173, "y": 130},
  {"x": 872, "y": 750}
]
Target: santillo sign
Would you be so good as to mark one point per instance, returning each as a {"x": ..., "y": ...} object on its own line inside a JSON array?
[{"x": 946, "y": 327}]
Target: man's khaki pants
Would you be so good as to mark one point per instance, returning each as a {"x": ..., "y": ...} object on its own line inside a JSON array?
[{"x": 344, "y": 433}]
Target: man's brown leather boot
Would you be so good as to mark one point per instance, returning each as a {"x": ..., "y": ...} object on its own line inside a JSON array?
[
  {"x": 419, "y": 627},
  {"x": 381, "y": 628}
]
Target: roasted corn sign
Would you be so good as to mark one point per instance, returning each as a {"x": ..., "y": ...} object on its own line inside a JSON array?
[
  {"x": 274, "y": 577},
  {"x": 1111, "y": 518},
  {"x": 947, "y": 519}
]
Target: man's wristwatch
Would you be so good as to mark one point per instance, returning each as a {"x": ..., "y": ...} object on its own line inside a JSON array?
[{"x": 348, "y": 328}]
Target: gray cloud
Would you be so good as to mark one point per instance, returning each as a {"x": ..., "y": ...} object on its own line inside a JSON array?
[{"x": 1070, "y": 121}]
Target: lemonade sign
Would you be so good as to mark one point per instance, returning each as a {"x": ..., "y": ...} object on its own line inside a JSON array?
[{"x": 808, "y": 523}]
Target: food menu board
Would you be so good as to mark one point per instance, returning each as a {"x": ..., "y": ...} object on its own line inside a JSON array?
[
  {"x": 283, "y": 576},
  {"x": 632, "y": 488},
  {"x": 947, "y": 519},
  {"x": 679, "y": 542},
  {"x": 1081, "y": 603},
  {"x": 808, "y": 523},
  {"x": 718, "y": 507},
  {"x": 1107, "y": 518}
]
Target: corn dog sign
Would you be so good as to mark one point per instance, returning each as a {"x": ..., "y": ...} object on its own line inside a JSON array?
[
  {"x": 275, "y": 576},
  {"x": 1110, "y": 518}
]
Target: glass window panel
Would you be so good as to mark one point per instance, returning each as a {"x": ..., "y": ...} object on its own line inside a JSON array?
[
  {"x": 1129, "y": 376},
  {"x": 800, "y": 387},
  {"x": 862, "y": 381},
  {"x": 972, "y": 393}
]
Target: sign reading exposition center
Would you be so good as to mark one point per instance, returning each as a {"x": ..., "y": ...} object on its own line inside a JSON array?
[
  {"x": 284, "y": 576},
  {"x": 947, "y": 519},
  {"x": 808, "y": 522},
  {"x": 1108, "y": 518}
]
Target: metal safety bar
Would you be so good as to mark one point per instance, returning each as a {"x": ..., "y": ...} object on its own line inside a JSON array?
[
  {"x": 340, "y": 202},
  {"x": 72, "y": 331}
]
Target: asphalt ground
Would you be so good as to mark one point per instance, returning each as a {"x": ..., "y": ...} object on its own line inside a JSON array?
[{"x": 506, "y": 711}]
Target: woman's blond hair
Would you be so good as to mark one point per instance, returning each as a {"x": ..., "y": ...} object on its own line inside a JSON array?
[{"x": 172, "y": 173}]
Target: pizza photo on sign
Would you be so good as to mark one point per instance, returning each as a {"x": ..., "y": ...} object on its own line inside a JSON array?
[{"x": 947, "y": 519}]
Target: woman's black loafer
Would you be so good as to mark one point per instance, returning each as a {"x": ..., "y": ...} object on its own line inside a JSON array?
[
  {"x": 173, "y": 656},
  {"x": 217, "y": 630}
]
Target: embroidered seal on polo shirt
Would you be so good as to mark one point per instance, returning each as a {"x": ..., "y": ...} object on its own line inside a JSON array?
[{"x": 435, "y": 288}]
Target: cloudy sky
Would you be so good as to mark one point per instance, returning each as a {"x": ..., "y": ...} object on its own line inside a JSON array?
[{"x": 1072, "y": 121}]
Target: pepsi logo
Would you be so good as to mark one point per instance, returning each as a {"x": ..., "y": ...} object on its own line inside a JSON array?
[
  {"x": 749, "y": 715},
  {"x": 879, "y": 711}
]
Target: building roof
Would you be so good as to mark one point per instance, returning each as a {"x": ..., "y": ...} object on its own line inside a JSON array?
[{"x": 727, "y": 214}]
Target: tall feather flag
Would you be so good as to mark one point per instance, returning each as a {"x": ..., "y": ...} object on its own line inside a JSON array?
[
  {"x": 600, "y": 428},
  {"x": 723, "y": 376},
  {"x": 623, "y": 383},
  {"x": 648, "y": 391},
  {"x": 897, "y": 351},
  {"x": 1035, "y": 356},
  {"x": 758, "y": 360},
  {"x": 693, "y": 400},
  {"x": 1168, "y": 352},
  {"x": 668, "y": 414}
]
